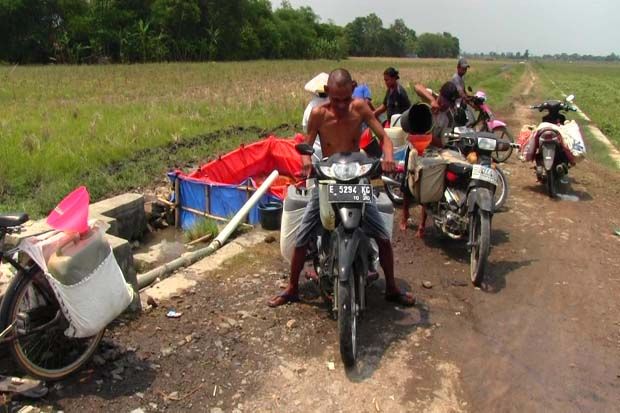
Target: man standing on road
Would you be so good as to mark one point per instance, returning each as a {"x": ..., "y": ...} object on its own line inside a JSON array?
[
  {"x": 396, "y": 100},
  {"x": 457, "y": 79},
  {"x": 338, "y": 123}
]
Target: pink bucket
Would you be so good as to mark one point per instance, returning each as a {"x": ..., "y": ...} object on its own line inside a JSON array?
[{"x": 71, "y": 214}]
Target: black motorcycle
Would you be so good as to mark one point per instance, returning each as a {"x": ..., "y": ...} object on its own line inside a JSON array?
[
  {"x": 466, "y": 205},
  {"x": 552, "y": 163},
  {"x": 342, "y": 253}
]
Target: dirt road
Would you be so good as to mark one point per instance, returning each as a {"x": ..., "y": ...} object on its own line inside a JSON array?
[{"x": 542, "y": 335}]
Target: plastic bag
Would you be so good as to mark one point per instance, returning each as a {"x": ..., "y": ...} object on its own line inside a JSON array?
[{"x": 97, "y": 299}]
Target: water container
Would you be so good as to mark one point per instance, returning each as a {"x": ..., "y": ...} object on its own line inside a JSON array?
[
  {"x": 328, "y": 216},
  {"x": 270, "y": 215},
  {"x": 78, "y": 259}
]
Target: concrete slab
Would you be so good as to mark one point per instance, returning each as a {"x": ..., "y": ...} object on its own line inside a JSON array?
[
  {"x": 124, "y": 257},
  {"x": 186, "y": 278},
  {"x": 128, "y": 211}
]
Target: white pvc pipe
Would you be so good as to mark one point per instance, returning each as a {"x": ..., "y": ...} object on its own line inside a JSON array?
[
  {"x": 243, "y": 212},
  {"x": 148, "y": 278}
]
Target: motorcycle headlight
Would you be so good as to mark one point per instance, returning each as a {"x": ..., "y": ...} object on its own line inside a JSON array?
[
  {"x": 487, "y": 144},
  {"x": 345, "y": 171}
]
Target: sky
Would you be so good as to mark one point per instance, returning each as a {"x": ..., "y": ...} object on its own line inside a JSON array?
[{"x": 542, "y": 26}]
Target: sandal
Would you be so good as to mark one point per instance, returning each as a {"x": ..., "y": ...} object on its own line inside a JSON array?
[
  {"x": 24, "y": 387},
  {"x": 283, "y": 298},
  {"x": 403, "y": 298}
]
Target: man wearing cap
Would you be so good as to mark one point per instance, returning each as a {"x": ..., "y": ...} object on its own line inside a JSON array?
[{"x": 457, "y": 79}]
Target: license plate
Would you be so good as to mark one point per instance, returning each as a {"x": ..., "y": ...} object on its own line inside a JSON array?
[
  {"x": 345, "y": 193},
  {"x": 483, "y": 173}
]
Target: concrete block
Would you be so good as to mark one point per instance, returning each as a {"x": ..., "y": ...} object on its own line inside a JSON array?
[
  {"x": 127, "y": 210},
  {"x": 124, "y": 257}
]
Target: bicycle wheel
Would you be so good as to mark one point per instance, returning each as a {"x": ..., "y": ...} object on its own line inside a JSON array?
[{"x": 39, "y": 345}]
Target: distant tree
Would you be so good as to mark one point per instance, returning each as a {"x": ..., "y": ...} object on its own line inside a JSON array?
[{"x": 437, "y": 45}]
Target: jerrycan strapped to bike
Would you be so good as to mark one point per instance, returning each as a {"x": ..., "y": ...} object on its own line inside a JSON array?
[{"x": 80, "y": 257}]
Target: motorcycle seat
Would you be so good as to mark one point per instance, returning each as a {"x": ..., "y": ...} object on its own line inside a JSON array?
[
  {"x": 13, "y": 220},
  {"x": 460, "y": 168}
]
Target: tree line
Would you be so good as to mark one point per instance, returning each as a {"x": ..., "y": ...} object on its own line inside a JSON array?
[
  {"x": 96, "y": 31},
  {"x": 612, "y": 57}
]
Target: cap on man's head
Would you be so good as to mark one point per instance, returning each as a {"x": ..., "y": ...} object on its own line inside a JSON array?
[{"x": 463, "y": 63}]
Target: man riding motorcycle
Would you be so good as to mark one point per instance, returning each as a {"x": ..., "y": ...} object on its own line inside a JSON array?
[{"x": 338, "y": 123}]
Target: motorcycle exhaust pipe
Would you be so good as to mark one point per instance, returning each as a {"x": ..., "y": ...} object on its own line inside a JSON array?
[
  {"x": 561, "y": 169},
  {"x": 388, "y": 180}
]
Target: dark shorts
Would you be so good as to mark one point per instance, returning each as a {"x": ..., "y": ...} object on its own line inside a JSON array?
[{"x": 372, "y": 223}]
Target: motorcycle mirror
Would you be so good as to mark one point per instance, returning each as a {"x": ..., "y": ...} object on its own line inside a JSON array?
[
  {"x": 469, "y": 89},
  {"x": 304, "y": 149},
  {"x": 570, "y": 98}
]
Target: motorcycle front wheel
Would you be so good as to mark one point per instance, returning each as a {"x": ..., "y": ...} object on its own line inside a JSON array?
[
  {"x": 347, "y": 321},
  {"x": 394, "y": 191},
  {"x": 39, "y": 345},
  {"x": 502, "y": 133},
  {"x": 501, "y": 191},
  {"x": 481, "y": 243}
]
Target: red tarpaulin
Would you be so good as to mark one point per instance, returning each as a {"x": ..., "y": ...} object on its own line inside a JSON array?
[{"x": 255, "y": 161}]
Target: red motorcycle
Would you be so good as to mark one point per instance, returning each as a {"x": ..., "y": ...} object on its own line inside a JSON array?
[{"x": 488, "y": 123}]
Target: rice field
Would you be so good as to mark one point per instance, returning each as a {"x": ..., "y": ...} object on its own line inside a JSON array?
[
  {"x": 595, "y": 86},
  {"x": 119, "y": 127}
]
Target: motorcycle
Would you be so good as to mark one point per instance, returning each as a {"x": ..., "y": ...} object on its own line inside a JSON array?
[
  {"x": 488, "y": 123},
  {"x": 466, "y": 207},
  {"x": 342, "y": 254},
  {"x": 502, "y": 189},
  {"x": 393, "y": 183},
  {"x": 552, "y": 160}
]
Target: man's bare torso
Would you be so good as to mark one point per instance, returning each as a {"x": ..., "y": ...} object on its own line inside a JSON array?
[{"x": 339, "y": 134}]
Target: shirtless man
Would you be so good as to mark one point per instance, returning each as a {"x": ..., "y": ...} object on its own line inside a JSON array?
[{"x": 338, "y": 123}]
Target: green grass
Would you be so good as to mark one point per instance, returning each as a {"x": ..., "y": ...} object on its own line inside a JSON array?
[
  {"x": 595, "y": 88},
  {"x": 201, "y": 228},
  {"x": 121, "y": 127}
]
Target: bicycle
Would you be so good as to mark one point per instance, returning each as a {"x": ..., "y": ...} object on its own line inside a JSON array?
[{"x": 31, "y": 319}]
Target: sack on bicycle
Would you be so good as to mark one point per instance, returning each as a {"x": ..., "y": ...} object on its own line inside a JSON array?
[{"x": 84, "y": 276}]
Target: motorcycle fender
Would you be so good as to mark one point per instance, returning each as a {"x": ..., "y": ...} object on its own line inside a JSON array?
[
  {"x": 480, "y": 197},
  {"x": 348, "y": 250},
  {"x": 493, "y": 124},
  {"x": 548, "y": 155}
]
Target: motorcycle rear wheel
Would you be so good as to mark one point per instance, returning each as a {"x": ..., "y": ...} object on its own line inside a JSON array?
[
  {"x": 481, "y": 237},
  {"x": 47, "y": 354},
  {"x": 552, "y": 184},
  {"x": 347, "y": 321}
]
